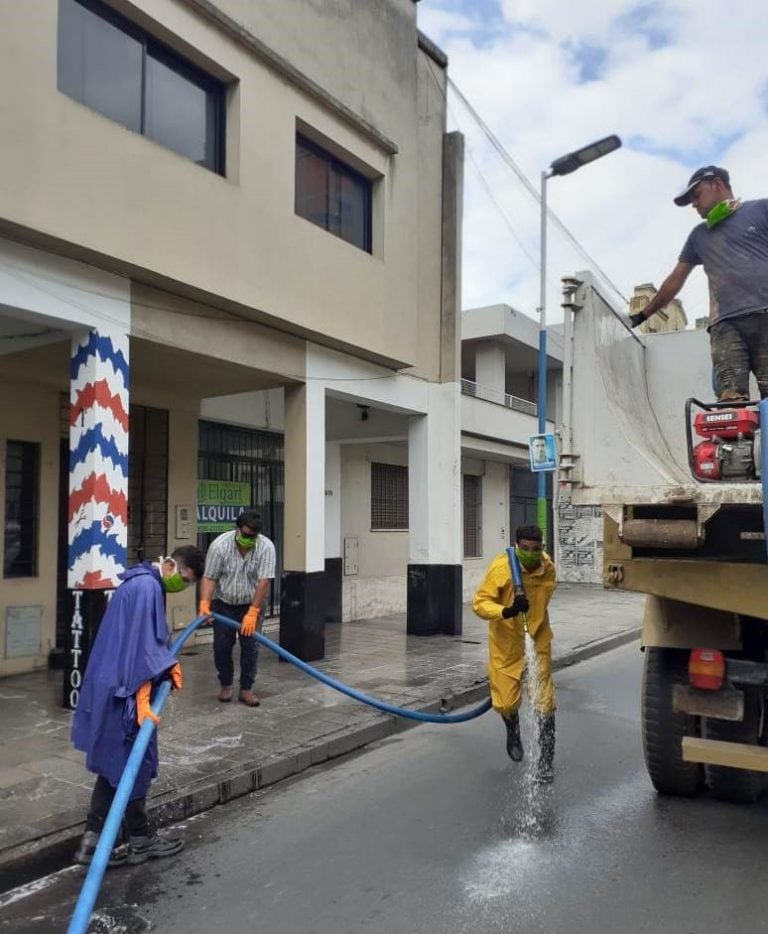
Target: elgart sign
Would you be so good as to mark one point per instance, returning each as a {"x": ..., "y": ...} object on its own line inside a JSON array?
[{"x": 219, "y": 503}]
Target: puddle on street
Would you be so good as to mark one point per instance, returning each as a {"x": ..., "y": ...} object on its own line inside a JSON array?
[{"x": 122, "y": 919}]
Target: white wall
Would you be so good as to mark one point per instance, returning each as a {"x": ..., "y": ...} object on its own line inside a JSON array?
[
  {"x": 495, "y": 514},
  {"x": 379, "y": 586}
]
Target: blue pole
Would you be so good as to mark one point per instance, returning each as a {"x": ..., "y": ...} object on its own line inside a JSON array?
[
  {"x": 764, "y": 465},
  {"x": 541, "y": 396}
]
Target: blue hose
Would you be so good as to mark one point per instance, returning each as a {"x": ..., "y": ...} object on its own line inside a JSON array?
[
  {"x": 92, "y": 882},
  {"x": 514, "y": 567},
  {"x": 764, "y": 465},
  {"x": 358, "y": 695}
]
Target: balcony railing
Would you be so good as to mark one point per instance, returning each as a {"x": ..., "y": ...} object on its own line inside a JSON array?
[{"x": 468, "y": 388}]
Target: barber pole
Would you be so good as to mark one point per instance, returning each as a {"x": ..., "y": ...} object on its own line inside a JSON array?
[{"x": 98, "y": 489}]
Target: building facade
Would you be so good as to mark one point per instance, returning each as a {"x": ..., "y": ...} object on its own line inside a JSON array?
[
  {"x": 223, "y": 200},
  {"x": 671, "y": 317}
]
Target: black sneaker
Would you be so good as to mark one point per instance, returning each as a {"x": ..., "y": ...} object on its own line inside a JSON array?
[
  {"x": 88, "y": 844},
  {"x": 140, "y": 849}
]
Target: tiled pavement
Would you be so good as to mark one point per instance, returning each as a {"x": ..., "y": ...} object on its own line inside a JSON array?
[{"x": 212, "y": 752}]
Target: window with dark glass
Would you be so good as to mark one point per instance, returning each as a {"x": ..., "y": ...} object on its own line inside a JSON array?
[
  {"x": 473, "y": 514},
  {"x": 22, "y": 505},
  {"x": 389, "y": 497},
  {"x": 110, "y": 65},
  {"x": 332, "y": 195}
]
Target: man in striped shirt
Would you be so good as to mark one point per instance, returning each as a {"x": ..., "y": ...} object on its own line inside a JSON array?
[{"x": 238, "y": 568}]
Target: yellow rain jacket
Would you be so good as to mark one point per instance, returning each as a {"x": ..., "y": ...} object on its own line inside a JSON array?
[{"x": 506, "y": 637}]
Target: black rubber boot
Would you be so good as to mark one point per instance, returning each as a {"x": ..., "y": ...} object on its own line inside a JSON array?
[
  {"x": 514, "y": 742},
  {"x": 545, "y": 767},
  {"x": 140, "y": 849},
  {"x": 88, "y": 844}
]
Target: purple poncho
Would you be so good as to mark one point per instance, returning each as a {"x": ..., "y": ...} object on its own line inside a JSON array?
[{"x": 131, "y": 647}]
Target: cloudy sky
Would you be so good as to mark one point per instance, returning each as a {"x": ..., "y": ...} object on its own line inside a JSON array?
[{"x": 683, "y": 82}]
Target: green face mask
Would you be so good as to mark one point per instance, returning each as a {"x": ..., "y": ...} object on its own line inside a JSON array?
[
  {"x": 720, "y": 211},
  {"x": 175, "y": 583},
  {"x": 529, "y": 559},
  {"x": 245, "y": 541}
]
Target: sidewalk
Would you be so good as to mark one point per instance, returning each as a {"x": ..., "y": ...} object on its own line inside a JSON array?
[{"x": 212, "y": 752}]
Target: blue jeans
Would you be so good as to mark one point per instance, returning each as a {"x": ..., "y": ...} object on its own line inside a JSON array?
[{"x": 224, "y": 638}]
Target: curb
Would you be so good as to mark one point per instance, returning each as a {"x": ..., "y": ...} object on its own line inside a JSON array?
[{"x": 33, "y": 859}]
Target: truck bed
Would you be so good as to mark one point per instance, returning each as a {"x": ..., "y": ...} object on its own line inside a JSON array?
[{"x": 624, "y": 439}]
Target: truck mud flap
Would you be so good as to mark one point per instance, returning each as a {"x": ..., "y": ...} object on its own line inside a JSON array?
[{"x": 726, "y": 704}]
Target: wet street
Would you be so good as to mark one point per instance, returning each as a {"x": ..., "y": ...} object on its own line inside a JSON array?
[{"x": 436, "y": 831}]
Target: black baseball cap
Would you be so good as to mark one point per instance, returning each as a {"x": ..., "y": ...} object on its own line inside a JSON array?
[{"x": 703, "y": 174}]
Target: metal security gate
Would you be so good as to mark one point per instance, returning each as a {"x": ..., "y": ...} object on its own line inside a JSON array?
[
  {"x": 147, "y": 484},
  {"x": 522, "y": 502},
  {"x": 243, "y": 455}
]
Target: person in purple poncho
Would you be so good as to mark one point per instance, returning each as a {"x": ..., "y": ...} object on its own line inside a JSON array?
[{"x": 130, "y": 654}]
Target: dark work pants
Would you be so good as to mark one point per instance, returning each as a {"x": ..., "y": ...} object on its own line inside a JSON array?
[
  {"x": 740, "y": 346},
  {"x": 135, "y": 821},
  {"x": 224, "y": 638}
]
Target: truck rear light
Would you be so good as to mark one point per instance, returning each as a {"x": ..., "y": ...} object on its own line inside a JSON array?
[{"x": 706, "y": 669}]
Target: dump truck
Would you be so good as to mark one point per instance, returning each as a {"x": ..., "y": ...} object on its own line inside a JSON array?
[{"x": 679, "y": 480}]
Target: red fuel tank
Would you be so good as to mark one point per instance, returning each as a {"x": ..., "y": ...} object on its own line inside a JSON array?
[{"x": 727, "y": 424}]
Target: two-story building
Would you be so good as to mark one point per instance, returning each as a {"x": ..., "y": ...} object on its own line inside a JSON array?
[{"x": 206, "y": 199}]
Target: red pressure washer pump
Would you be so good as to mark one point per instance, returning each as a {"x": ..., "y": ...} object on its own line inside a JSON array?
[{"x": 731, "y": 446}]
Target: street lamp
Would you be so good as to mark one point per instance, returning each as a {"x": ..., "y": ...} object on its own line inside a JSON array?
[{"x": 564, "y": 165}]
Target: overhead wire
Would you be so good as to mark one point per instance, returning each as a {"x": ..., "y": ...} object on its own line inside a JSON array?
[{"x": 501, "y": 150}]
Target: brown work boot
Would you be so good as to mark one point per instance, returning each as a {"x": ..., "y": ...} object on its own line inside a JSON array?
[
  {"x": 225, "y": 694},
  {"x": 248, "y": 698}
]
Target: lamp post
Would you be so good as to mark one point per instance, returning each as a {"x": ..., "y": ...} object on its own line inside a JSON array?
[{"x": 564, "y": 165}]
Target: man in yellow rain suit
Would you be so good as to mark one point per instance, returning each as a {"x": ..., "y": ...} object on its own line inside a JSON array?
[{"x": 511, "y": 611}]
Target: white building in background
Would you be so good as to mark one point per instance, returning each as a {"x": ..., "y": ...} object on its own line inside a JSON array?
[{"x": 368, "y": 500}]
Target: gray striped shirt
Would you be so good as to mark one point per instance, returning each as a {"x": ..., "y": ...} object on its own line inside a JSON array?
[{"x": 236, "y": 575}]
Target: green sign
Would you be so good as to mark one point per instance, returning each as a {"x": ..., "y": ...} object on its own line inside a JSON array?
[{"x": 219, "y": 503}]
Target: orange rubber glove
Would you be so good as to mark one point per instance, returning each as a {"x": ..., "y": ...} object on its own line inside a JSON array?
[
  {"x": 143, "y": 710},
  {"x": 204, "y": 608},
  {"x": 249, "y": 621},
  {"x": 177, "y": 678}
]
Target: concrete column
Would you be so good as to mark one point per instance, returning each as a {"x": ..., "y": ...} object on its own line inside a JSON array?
[
  {"x": 490, "y": 366},
  {"x": 98, "y": 488},
  {"x": 434, "y": 497},
  {"x": 333, "y": 558},
  {"x": 302, "y": 600},
  {"x": 452, "y": 208}
]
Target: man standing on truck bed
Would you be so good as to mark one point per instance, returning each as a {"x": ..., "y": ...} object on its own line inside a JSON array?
[{"x": 732, "y": 246}]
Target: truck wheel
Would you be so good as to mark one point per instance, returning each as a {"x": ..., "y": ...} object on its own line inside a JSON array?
[
  {"x": 739, "y": 785},
  {"x": 663, "y": 729}
]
